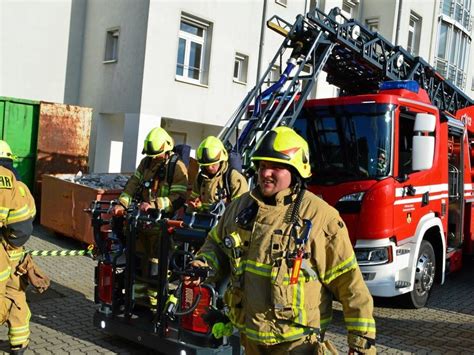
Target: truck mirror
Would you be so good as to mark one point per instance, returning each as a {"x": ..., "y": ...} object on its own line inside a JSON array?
[
  {"x": 425, "y": 122},
  {"x": 423, "y": 143}
]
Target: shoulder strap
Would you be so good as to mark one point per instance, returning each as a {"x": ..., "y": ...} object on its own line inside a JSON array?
[
  {"x": 227, "y": 182},
  {"x": 171, "y": 168},
  {"x": 199, "y": 180}
]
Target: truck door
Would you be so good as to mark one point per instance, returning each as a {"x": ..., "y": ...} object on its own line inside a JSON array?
[{"x": 455, "y": 183}]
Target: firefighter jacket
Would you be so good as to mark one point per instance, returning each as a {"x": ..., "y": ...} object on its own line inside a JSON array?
[
  {"x": 150, "y": 184},
  {"x": 226, "y": 184},
  {"x": 264, "y": 303},
  {"x": 17, "y": 209}
]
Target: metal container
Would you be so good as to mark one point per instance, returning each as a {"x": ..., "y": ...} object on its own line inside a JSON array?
[
  {"x": 63, "y": 203},
  {"x": 19, "y": 127}
]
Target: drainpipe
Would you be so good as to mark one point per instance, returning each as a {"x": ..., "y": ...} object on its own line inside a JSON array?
[
  {"x": 399, "y": 15},
  {"x": 262, "y": 40}
]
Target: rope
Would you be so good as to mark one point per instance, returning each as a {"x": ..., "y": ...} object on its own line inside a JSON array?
[{"x": 83, "y": 252}]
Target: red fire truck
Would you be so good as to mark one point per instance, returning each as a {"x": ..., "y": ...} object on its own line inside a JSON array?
[{"x": 391, "y": 153}]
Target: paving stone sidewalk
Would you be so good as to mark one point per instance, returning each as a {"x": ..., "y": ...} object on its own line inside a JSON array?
[{"x": 61, "y": 320}]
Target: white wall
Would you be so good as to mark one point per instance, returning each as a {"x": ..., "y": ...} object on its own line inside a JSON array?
[
  {"x": 113, "y": 87},
  {"x": 34, "y": 38},
  {"x": 236, "y": 28},
  {"x": 109, "y": 143}
]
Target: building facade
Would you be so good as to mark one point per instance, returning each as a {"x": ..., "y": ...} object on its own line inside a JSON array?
[{"x": 186, "y": 65}]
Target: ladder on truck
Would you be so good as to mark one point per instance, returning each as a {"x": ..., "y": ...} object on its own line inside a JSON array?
[{"x": 355, "y": 59}]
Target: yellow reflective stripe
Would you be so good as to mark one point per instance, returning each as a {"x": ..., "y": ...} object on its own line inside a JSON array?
[
  {"x": 347, "y": 265},
  {"x": 5, "y": 274},
  {"x": 178, "y": 188},
  {"x": 286, "y": 280},
  {"x": 257, "y": 268},
  {"x": 18, "y": 330},
  {"x": 33, "y": 211},
  {"x": 15, "y": 255},
  {"x": 214, "y": 236},
  {"x": 138, "y": 175},
  {"x": 273, "y": 338},
  {"x": 19, "y": 340},
  {"x": 19, "y": 214},
  {"x": 239, "y": 326},
  {"x": 165, "y": 203},
  {"x": 298, "y": 303},
  {"x": 22, "y": 191},
  {"x": 211, "y": 259},
  {"x": 194, "y": 195},
  {"x": 125, "y": 199},
  {"x": 325, "y": 323},
  {"x": 4, "y": 212},
  {"x": 360, "y": 324},
  {"x": 164, "y": 190}
]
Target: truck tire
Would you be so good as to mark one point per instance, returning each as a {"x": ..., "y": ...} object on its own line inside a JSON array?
[{"x": 424, "y": 276}]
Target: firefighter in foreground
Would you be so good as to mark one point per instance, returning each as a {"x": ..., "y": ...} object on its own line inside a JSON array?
[
  {"x": 217, "y": 180},
  {"x": 17, "y": 211},
  {"x": 160, "y": 182},
  {"x": 284, "y": 248}
]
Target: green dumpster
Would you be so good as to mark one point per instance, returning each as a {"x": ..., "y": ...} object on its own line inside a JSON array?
[{"x": 19, "y": 128}]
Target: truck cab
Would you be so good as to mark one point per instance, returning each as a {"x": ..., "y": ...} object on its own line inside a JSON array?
[{"x": 394, "y": 166}]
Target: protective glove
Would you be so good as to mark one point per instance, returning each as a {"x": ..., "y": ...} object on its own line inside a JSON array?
[
  {"x": 118, "y": 210},
  {"x": 35, "y": 275}
]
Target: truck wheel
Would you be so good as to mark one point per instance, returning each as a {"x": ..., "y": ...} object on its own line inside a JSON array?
[{"x": 424, "y": 276}]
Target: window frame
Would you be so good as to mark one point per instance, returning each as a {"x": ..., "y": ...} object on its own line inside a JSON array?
[
  {"x": 112, "y": 36},
  {"x": 190, "y": 39},
  {"x": 370, "y": 22},
  {"x": 414, "y": 46},
  {"x": 242, "y": 60}
]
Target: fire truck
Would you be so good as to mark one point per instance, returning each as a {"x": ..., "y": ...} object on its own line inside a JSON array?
[{"x": 392, "y": 153}]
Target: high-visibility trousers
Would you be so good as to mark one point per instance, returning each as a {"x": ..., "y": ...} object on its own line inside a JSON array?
[{"x": 13, "y": 307}]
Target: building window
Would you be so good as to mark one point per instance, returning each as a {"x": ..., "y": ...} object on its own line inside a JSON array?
[
  {"x": 241, "y": 63},
  {"x": 372, "y": 24},
  {"x": 193, "y": 50},
  {"x": 111, "y": 45},
  {"x": 273, "y": 76},
  {"x": 452, "y": 52},
  {"x": 414, "y": 31},
  {"x": 349, "y": 8},
  {"x": 282, "y": 2}
]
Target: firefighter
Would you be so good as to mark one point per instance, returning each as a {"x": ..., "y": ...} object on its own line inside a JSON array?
[
  {"x": 17, "y": 211},
  {"x": 160, "y": 182},
  {"x": 7, "y": 158},
  {"x": 217, "y": 180},
  {"x": 287, "y": 252}
]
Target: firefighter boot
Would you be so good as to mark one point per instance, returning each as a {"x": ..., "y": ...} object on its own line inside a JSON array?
[{"x": 18, "y": 350}]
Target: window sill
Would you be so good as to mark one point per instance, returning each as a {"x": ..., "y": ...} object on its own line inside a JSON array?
[
  {"x": 187, "y": 81},
  {"x": 239, "y": 82},
  {"x": 109, "y": 61}
]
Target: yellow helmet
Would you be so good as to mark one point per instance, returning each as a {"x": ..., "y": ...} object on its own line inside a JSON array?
[
  {"x": 211, "y": 151},
  {"x": 157, "y": 142},
  {"x": 5, "y": 151},
  {"x": 284, "y": 145}
]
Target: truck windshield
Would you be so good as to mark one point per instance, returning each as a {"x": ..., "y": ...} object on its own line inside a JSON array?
[{"x": 348, "y": 142}]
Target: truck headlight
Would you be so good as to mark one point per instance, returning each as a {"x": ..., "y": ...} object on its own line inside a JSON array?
[{"x": 374, "y": 256}]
